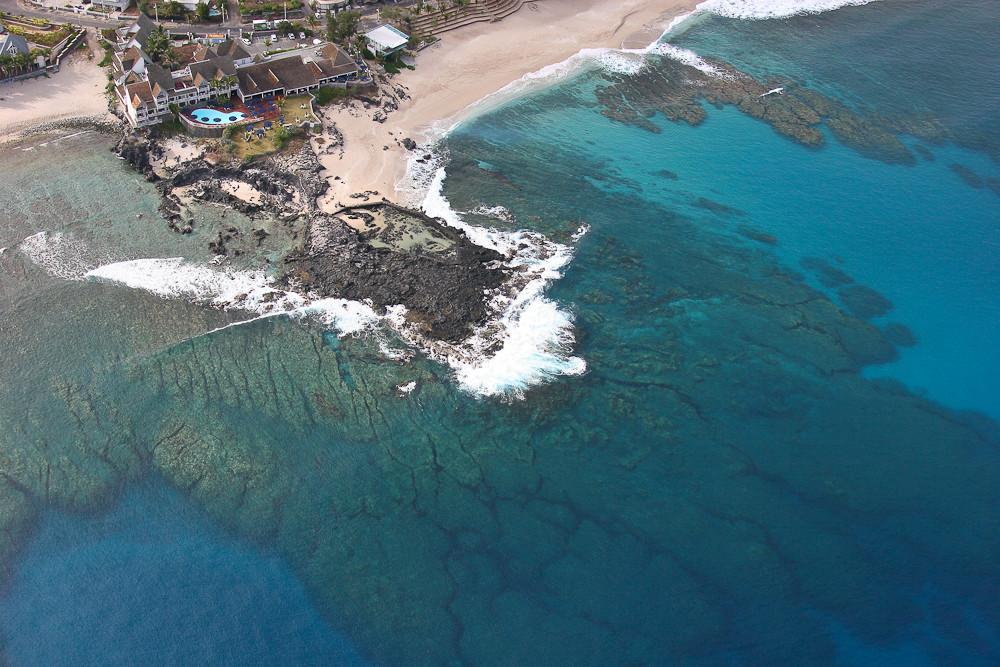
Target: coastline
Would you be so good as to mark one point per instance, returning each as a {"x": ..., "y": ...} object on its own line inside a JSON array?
[
  {"x": 450, "y": 81},
  {"x": 468, "y": 65},
  {"x": 77, "y": 91}
]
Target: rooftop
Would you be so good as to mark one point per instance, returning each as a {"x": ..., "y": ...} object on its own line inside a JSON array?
[{"x": 387, "y": 37}]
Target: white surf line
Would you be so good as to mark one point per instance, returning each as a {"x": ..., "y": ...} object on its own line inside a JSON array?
[
  {"x": 772, "y": 9},
  {"x": 228, "y": 326},
  {"x": 75, "y": 134},
  {"x": 46, "y": 143}
]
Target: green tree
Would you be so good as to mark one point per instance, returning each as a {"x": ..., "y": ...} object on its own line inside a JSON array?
[
  {"x": 157, "y": 43},
  {"x": 201, "y": 11},
  {"x": 343, "y": 26},
  {"x": 281, "y": 136},
  {"x": 175, "y": 8},
  {"x": 172, "y": 58},
  {"x": 23, "y": 61},
  {"x": 174, "y": 109}
]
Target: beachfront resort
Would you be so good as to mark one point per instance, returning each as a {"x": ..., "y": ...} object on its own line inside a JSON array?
[{"x": 224, "y": 72}]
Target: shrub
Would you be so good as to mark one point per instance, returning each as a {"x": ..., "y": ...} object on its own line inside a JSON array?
[{"x": 326, "y": 95}]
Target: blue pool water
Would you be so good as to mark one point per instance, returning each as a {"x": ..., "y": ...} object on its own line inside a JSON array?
[{"x": 213, "y": 116}]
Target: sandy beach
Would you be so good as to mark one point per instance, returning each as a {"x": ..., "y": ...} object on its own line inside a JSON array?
[
  {"x": 76, "y": 90},
  {"x": 471, "y": 63},
  {"x": 465, "y": 66}
]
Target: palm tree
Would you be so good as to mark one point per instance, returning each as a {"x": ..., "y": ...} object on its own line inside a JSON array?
[
  {"x": 22, "y": 60},
  {"x": 171, "y": 57},
  {"x": 6, "y": 64},
  {"x": 215, "y": 84},
  {"x": 157, "y": 43},
  {"x": 229, "y": 81}
]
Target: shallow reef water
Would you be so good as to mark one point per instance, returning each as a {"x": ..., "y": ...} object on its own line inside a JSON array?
[{"x": 728, "y": 483}]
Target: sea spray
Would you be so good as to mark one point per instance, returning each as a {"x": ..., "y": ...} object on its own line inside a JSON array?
[
  {"x": 773, "y": 9},
  {"x": 60, "y": 255},
  {"x": 534, "y": 335}
]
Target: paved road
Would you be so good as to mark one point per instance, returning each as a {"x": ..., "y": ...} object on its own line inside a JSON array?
[{"x": 56, "y": 16}]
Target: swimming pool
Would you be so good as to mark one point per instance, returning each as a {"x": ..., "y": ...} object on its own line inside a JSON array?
[{"x": 213, "y": 117}]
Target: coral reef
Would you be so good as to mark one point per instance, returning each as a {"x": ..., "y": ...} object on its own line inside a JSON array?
[{"x": 676, "y": 90}]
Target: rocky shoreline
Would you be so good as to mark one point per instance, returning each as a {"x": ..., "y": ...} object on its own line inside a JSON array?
[{"x": 445, "y": 281}]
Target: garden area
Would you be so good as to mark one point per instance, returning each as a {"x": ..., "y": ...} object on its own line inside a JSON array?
[
  {"x": 259, "y": 7},
  {"x": 261, "y": 140},
  {"x": 36, "y": 31}
]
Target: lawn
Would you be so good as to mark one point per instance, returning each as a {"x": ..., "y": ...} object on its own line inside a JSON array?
[{"x": 291, "y": 107}]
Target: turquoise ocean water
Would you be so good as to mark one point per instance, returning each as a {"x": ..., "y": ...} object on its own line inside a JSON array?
[{"x": 753, "y": 470}]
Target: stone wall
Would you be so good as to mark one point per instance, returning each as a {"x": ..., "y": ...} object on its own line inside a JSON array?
[{"x": 199, "y": 130}]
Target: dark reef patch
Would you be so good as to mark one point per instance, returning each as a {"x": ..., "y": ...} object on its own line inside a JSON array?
[
  {"x": 716, "y": 207},
  {"x": 971, "y": 178},
  {"x": 757, "y": 235},
  {"x": 827, "y": 274},
  {"x": 864, "y": 302},
  {"x": 899, "y": 334},
  {"x": 924, "y": 152},
  {"x": 676, "y": 91}
]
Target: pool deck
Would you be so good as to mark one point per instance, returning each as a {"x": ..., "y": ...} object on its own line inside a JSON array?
[{"x": 252, "y": 116}]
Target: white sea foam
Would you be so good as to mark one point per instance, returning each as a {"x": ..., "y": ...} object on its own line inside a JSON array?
[
  {"x": 687, "y": 57},
  {"x": 349, "y": 318},
  {"x": 252, "y": 291},
  {"x": 59, "y": 254},
  {"x": 773, "y": 9},
  {"x": 497, "y": 212},
  {"x": 173, "y": 277},
  {"x": 534, "y": 335}
]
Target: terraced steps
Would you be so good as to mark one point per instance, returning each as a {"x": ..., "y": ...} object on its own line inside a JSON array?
[{"x": 476, "y": 12}]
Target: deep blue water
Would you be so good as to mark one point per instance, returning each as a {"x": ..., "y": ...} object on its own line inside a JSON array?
[
  {"x": 747, "y": 474},
  {"x": 153, "y": 582}
]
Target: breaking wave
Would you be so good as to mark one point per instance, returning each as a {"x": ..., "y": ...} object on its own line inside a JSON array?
[
  {"x": 531, "y": 340},
  {"x": 773, "y": 9}
]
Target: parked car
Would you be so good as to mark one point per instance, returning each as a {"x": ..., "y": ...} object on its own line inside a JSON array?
[
  {"x": 302, "y": 35},
  {"x": 246, "y": 41}
]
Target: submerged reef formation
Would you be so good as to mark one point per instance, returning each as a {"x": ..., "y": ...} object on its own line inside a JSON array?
[
  {"x": 722, "y": 482},
  {"x": 722, "y": 474},
  {"x": 722, "y": 448},
  {"x": 677, "y": 90}
]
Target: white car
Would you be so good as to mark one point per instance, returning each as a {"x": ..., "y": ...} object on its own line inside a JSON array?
[{"x": 246, "y": 41}]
